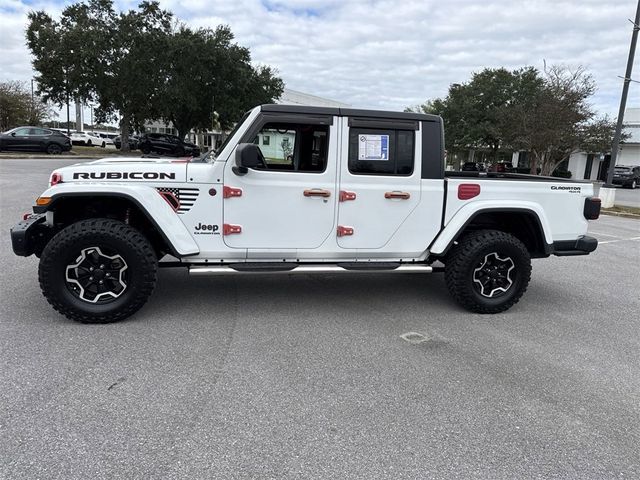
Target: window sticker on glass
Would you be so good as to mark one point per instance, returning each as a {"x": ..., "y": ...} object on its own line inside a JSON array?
[{"x": 373, "y": 147}]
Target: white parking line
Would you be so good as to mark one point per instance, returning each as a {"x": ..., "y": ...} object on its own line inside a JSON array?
[
  {"x": 633, "y": 239},
  {"x": 605, "y": 234}
]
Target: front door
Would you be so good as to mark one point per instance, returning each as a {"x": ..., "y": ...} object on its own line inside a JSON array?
[
  {"x": 379, "y": 180},
  {"x": 290, "y": 203},
  {"x": 19, "y": 140}
]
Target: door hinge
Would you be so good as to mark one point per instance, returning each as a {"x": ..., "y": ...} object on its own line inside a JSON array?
[
  {"x": 346, "y": 196},
  {"x": 228, "y": 229},
  {"x": 229, "y": 192},
  {"x": 344, "y": 231}
]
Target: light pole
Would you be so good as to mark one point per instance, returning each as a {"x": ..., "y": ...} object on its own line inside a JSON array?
[
  {"x": 607, "y": 192},
  {"x": 66, "y": 79},
  {"x": 32, "y": 104}
]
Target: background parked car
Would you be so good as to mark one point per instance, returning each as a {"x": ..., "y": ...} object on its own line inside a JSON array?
[
  {"x": 627, "y": 176},
  {"x": 35, "y": 139},
  {"x": 501, "y": 167},
  {"x": 167, "y": 145},
  {"x": 473, "y": 167},
  {"x": 133, "y": 142},
  {"x": 87, "y": 139},
  {"x": 105, "y": 138}
]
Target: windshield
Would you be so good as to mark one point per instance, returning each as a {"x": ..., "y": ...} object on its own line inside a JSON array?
[{"x": 211, "y": 155}]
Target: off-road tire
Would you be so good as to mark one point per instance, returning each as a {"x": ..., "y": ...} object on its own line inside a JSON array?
[
  {"x": 468, "y": 253},
  {"x": 66, "y": 245}
]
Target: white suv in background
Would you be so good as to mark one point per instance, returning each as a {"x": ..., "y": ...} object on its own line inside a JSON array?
[{"x": 87, "y": 139}]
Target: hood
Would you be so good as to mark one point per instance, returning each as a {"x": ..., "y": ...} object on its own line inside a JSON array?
[{"x": 125, "y": 169}]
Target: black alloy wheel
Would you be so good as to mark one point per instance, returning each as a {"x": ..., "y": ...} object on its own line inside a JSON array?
[
  {"x": 487, "y": 271},
  {"x": 98, "y": 271},
  {"x": 54, "y": 149}
]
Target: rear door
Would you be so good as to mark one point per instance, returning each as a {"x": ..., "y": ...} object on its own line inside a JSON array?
[
  {"x": 290, "y": 204},
  {"x": 38, "y": 138},
  {"x": 379, "y": 180}
]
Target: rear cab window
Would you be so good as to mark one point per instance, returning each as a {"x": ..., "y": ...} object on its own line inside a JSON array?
[{"x": 376, "y": 151}]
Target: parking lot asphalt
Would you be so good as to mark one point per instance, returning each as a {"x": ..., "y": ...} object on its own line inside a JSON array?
[{"x": 308, "y": 376}]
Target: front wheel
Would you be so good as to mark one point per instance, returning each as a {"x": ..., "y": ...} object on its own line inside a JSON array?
[
  {"x": 98, "y": 271},
  {"x": 488, "y": 271}
]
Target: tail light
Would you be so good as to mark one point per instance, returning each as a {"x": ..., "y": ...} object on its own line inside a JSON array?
[
  {"x": 468, "y": 190},
  {"x": 55, "y": 179},
  {"x": 592, "y": 208}
]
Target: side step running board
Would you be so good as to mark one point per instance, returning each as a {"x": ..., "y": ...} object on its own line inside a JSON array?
[{"x": 313, "y": 268}]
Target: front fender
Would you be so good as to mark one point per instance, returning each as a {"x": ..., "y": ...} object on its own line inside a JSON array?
[
  {"x": 146, "y": 198},
  {"x": 465, "y": 214}
]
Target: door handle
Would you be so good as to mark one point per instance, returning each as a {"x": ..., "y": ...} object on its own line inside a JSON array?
[
  {"x": 317, "y": 192},
  {"x": 396, "y": 194}
]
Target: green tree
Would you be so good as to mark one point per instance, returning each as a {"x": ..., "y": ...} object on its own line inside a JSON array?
[
  {"x": 17, "y": 107},
  {"x": 477, "y": 113},
  {"x": 547, "y": 115},
  {"x": 559, "y": 120},
  {"x": 210, "y": 79},
  {"x": 94, "y": 53}
]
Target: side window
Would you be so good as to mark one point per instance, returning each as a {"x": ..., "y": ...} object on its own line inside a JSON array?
[
  {"x": 381, "y": 151},
  {"x": 294, "y": 147},
  {"x": 22, "y": 131}
]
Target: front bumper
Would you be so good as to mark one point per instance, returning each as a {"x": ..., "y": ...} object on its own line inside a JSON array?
[
  {"x": 581, "y": 246},
  {"x": 30, "y": 235}
]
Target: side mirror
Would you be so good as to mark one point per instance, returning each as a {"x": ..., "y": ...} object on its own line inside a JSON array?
[
  {"x": 248, "y": 155},
  {"x": 13, "y": 134}
]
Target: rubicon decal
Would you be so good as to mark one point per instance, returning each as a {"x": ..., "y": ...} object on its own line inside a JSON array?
[{"x": 124, "y": 176}]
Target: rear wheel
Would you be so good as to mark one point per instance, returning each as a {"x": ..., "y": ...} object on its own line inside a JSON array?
[
  {"x": 488, "y": 271},
  {"x": 98, "y": 271},
  {"x": 54, "y": 149}
]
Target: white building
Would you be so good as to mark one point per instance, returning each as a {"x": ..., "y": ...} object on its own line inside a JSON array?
[
  {"x": 293, "y": 97},
  {"x": 213, "y": 138},
  {"x": 594, "y": 166}
]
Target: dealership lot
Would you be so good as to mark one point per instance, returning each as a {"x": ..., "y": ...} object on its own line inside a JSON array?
[{"x": 309, "y": 376}]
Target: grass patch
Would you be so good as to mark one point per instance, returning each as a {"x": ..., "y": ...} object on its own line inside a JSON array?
[{"x": 623, "y": 211}]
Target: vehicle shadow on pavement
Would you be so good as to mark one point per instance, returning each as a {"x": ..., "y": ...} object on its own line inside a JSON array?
[{"x": 323, "y": 292}]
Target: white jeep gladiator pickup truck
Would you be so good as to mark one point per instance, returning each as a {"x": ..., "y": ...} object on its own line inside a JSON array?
[{"x": 299, "y": 189}]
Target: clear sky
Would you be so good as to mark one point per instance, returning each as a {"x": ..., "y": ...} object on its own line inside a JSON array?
[{"x": 391, "y": 54}]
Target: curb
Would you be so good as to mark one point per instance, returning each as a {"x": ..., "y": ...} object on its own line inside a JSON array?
[{"x": 621, "y": 214}]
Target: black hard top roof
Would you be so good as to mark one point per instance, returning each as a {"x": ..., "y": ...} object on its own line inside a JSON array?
[{"x": 349, "y": 112}]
